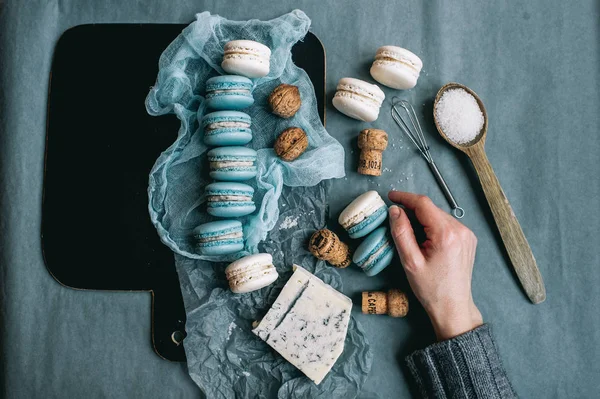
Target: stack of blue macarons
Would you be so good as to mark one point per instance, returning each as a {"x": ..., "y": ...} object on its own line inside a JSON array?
[
  {"x": 227, "y": 129},
  {"x": 363, "y": 218}
]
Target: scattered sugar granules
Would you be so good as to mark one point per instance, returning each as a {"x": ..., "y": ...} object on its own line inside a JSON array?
[
  {"x": 459, "y": 116},
  {"x": 232, "y": 325},
  {"x": 289, "y": 222}
]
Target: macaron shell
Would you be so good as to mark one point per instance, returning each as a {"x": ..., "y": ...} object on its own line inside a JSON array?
[
  {"x": 224, "y": 101},
  {"x": 227, "y": 82},
  {"x": 234, "y": 175},
  {"x": 227, "y": 116},
  {"x": 372, "y": 222},
  {"x": 355, "y": 108},
  {"x": 361, "y": 87},
  {"x": 399, "y": 53},
  {"x": 231, "y": 152},
  {"x": 247, "y": 46},
  {"x": 216, "y": 228},
  {"x": 227, "y": 188},
  {"x": 246, "y": 65},
  {"x": 228, "y": 137},
  {"x": 230, "y": 209},
  {"x": 222, "y": 248},
  {"x": 394, "y": 74}
]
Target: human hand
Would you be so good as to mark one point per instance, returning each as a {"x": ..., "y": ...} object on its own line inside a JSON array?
[{"x": 439, "y": 272}]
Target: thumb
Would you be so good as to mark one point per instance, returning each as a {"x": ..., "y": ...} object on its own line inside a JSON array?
[{"x": 404, "y": 238}]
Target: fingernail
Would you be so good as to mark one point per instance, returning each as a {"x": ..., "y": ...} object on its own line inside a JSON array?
[{"x": 394, "y": 212}]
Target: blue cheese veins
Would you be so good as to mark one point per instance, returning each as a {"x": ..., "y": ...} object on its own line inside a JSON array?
[{"x": 307, "y": 324}]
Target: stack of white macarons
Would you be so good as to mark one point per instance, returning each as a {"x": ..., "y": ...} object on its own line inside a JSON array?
[{"x": 394, "y": 67}]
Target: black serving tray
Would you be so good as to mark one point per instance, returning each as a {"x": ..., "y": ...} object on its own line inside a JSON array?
[{"x": 100, "y": 147}]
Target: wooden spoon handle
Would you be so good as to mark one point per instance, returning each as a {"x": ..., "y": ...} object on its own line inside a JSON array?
[{"x": 514, "y": 240}]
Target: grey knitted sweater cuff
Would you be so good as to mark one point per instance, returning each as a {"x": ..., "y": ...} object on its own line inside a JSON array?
[{"x": 467, "y": 366}]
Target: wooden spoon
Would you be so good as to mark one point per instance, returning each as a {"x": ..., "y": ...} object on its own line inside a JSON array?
[{"x": 512, "y": 235}]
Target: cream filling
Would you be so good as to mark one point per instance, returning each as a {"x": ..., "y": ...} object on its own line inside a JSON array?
[
  {"x": 220, "y": 125},
  {"x": 375, "y": 255},
  {"x": 245, "y": 56},
  {"x": 388, "y": 55},
  {"x": 238, "y": 234},
  {"x": 240, "y": 274},
  {"x": 241, "y": 91},
  {"x": 245, "y": 50},
  {"x": 361, "y": 92},
  {"x": 362, "y": 214},
  {"x": 397, "y": 64},
  {"x": 216, "y": 198},
  {"x": 365, "y": 100},
  {"x": 230, "y": 164}
]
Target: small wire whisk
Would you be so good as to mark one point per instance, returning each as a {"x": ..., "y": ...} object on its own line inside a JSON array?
[{"x": 410, "y": 126}]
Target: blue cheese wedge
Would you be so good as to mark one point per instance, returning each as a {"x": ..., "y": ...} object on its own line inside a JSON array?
[
  {"x": 288, "y": 295},
  {"x": 307, "y": 324}
]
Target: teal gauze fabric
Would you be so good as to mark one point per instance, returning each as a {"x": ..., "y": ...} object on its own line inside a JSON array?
[
  {"x": 180, "y": 174},
  {"x": 224, "y": 357}
]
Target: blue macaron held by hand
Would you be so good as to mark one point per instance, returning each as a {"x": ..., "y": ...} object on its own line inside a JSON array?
[
  {"x": 229, "y": 199},
  {"x": 229, "y": 92},
  {"x": 375, "y": 253},
  {"x": 219, "y": 238},
  {"x": 225, "y": 128},
  {"x": 232, "y": 163}
]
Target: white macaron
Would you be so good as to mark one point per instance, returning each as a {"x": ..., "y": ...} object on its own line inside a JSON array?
[
  {"x": 247, "y": 58},
  {"x": 251, "y": 273},
  {"x": 358, "y": 99},
  {"x": 396, "y": 67}
]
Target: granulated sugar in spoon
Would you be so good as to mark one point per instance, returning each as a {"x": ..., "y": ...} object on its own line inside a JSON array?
[{"x": 461, "y": 120}]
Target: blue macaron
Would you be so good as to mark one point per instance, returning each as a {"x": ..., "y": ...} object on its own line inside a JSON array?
[
  {"x": 229, "y": 199},
  {"x": 229, "y": 92},
  {"x": 375, "y": 253},
  {"x": 219, "y": 238},
  {"x": 224, "y": 128},
  {"x": 232, "y": 163}
]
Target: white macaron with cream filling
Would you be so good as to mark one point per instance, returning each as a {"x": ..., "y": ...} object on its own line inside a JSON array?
[
  {"x": 358, "y": 99},
  {"x": 251, "y": 273},
  {"x": 247, "y": 58},
  {"x": 396, "y": 67}
]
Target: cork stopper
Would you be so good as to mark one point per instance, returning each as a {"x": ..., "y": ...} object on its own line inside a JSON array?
[
  {"x": 394, "y": 303},
  {"x": 326, "y": 245},
  {"x": 372, "y": 143}
]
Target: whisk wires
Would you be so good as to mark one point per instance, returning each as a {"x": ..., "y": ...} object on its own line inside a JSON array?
[
  {"x": 413, "y": 132},
  {"x": 409, "y": 124}
]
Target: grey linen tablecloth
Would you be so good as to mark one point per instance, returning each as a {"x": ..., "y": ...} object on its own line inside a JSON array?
[{"x": 535, "y": 65}]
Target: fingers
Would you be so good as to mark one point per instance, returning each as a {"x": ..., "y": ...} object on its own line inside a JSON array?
[
  {"x": 404, "y": 238},
  {"x": 425, "y": 210}
]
